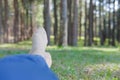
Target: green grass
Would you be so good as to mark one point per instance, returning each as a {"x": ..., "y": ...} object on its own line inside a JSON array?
[{"x": 76, "y": 63}]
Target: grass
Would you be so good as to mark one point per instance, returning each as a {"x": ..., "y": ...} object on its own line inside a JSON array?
[{"x": 76, "y": 63}]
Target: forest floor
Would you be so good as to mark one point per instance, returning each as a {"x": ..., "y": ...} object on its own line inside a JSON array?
[{"x": 76, "y": 63}]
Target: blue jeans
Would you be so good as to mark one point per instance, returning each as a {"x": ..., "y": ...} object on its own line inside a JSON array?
[{"x": 25, "y": 67}]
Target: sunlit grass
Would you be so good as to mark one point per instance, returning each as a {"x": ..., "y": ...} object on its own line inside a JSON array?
[{"x": 76, "y": 63}]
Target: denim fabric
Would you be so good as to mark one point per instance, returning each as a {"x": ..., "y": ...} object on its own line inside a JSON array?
[{"x": 25, "y": 67}]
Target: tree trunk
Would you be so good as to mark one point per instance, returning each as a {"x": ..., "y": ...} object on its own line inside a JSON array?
[
  {"x": 16, "y": 21},
  {"x": 22, "y": 21},
  {"x": 118, "y": 22},
  {"x": 1, "y": 25},
  {"x": 109, "y": 26},
  {"x": 55, "y": 23},
  {"x": 90, "y": 29},
  {"x": 118, "y": 25},
  {"x": 100, "y": 25},
  {"x": 63, "y": 24},
  {"x": 31, "y": 19},
  {"x": 6, "y": 26},
  {"x": 104, "y": 29},
  {"x": 80, "y": 20},
  {"x": 22, "y": 25},
  {"x": 95, "y": 24},
  {"x": 75, "y": 24},
  {"x": 47, "y": 19},
  {"x": 85, "y": 24},
  {"x": 113, "y": 29},
  {"x": 70, "y": 24}
]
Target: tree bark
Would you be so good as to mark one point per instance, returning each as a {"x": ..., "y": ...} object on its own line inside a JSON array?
[
  {"x": 31, "y": 19},
  {"x": 16, "y": 21},
  {"x": 1, "y": 25},
  {"x": 109, "y": 25},
  {"x": 47, "y": 19},
  {"x": 85, "y": 24},
  {"x": 100, "y": 25},
  {"x": 75, "y": 24},
  {"x": 55, "y": 22},
  {"x": 118, "y": 22},
  {"x": 70, "y": 21},
  {"x": 113, "y": 29},
  {"x": 90, "y": 29},
  {"x": 63, "y": 24},
  {"x": 6, "y": 17},
  {"x": 118, "y": 25},
  {"x": 80, "y": 25}
]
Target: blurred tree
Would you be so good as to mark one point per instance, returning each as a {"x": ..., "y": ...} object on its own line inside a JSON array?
[
  {"x": 113, "y": 25},
  {"x": 86, "y": 25},
  {"x": 90, "y": 29},
  {"x": 31, "y": 17},
  {"x": 95, "y": 22},
  {"x": 80, "y": 17},
  {"x": 6, "y": 17},
  {"x": 1, "y": 24},
  {"x": 47, "y": 19},
  {"x": 109, "y": 23},
  {"x": 63, "y": 41},
  {"x": 99, "y": 17},
  {"x": 55, "y": 21},
  {"x": 70, "y": 20},
  {"x": 101, "y": 31},
  {"x": 118, "y": 22},
  {"x": 16, "y": 20},
  {"x": 75, "y": 23}
]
